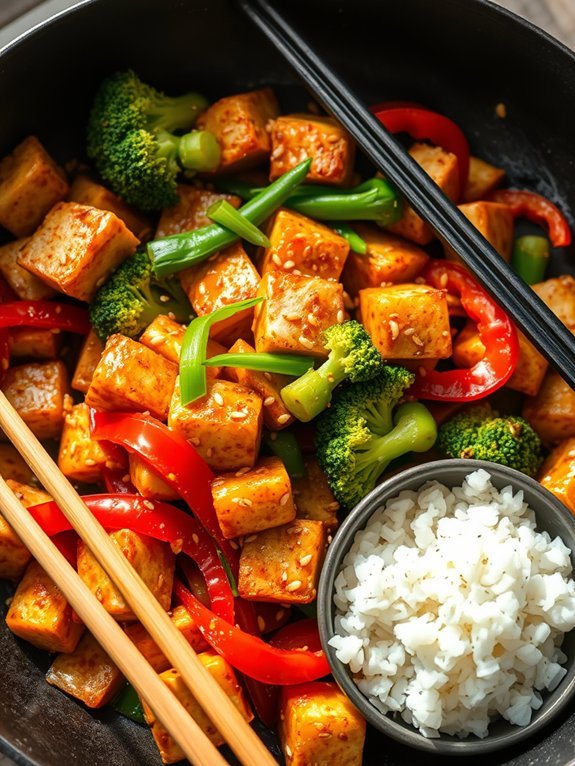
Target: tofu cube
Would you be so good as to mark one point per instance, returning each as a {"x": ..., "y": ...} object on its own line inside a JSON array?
[
  {"x": 559, "y": 294},
  {"x": 191, "y": 211},
  {"x": 14, "y": 556},
  {"x": 30, "y": 184},
  {"x": 40, "y": 614},
  {"x": 222, "y": 671},
  {"x": 240, "y": 124},
  {"x": 295, "y": 312},
  {"x": 531, "y": 369},
  {"x": 88, "y": 359},
  {"x": 81, "y": 458},
  {"x": 295, "y": 137},
  {"x": 225, "y": 425},
  {"x": 131, "y": 377},
  {"x": 302, "y": 246},
  {"x": 76, "y": 248},
  {"x": 283, "y": 564},
  {"x": 87, "y": 673},
  {"x": 442, "y": 167},
  {"x": 319, "y": 725},
  {"x": 28, "y": 494},
  {"x": 154, "y": 561},
  {"x": 494, "y": 221},
  {"x": 31, "y": 342},
  {"x": 557, "y": 474},
  {"x": 268, "y": 385},
  {"x": 148, "y": 483},
  {"x": 313, "y": 497},
  {"x": 13, "y": 466},
  {"x": 389, "y": 259},
  {"x": 552, "y": 411},
  {"x": 37, "y": 391},
  {"x": 467, "y": 346},
  {"x": 26, "y": 286},
  {"x": 407, "y": 321},
  {"x": 482, "y": 179}
]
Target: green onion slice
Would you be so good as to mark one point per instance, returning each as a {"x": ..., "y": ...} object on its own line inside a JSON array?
[
  {"x": 283, "y": 444},
  {"x": 284, "y": 364},
  {"x": 226, "y": 215},
  {"x": 356, "y": 243}
]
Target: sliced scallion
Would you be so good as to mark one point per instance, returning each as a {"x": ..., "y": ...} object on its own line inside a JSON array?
[
  {"x": 226, "y": 215},
  {"x": 283, "y": 364},
  {"x": 356, "y": 243}
]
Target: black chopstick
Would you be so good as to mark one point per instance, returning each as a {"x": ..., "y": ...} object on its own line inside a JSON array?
[{"x": 523, "y": 305}]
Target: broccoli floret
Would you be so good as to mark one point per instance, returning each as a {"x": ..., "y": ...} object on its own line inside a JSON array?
[
  {"x": 131, "y": 140},
  {"x": 481, "y": 433},
  {"x": 360, "y": 434},
  {"x": 352, "y": 356},
  {"x": 132, "y": 297}
]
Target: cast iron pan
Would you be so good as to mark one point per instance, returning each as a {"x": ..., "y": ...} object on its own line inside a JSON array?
[{"x": 461, "y": 57}]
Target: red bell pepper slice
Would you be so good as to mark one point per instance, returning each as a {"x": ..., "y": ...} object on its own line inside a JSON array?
[
  {"x": 45, "y": 314},
  {"x": 117, "y": 481},
  {"x": 534, "y": 207},
  {"x": 300, "y": 635},
  {"x": 158, "y": 520},
  {"x": 249, "y": 654},
  {"x": 6, "y": 295},
  {"x": 497, "y": 333},
  {"x": 423, "y": 124}
]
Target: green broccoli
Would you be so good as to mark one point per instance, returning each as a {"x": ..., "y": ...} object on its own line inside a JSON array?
[
  {"x": 131, "y": 140},
  {"x": 359, "y": 435},
  {"x": 352, "y": 356},
  {"x": 481, "y": 433},
  {"x": 132, "y": 297}
]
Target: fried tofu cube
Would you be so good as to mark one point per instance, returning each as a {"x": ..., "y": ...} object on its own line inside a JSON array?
[
  {"x": 88, "y": 359},
  {"x": 531, "y": 368},
  {"x": 81, "y": 458},
  {"x": 552, "y": 411},
  {"x": 313, "y": 497},
  {"x": 154, "y": 561},
  {"x": 295, "y": 312},
  {"x": 303, "y": 246},
  {"x": 87, "y": 673},
  {"x": 40, "y": 614},
  {"x": 146, "y": 645},
  {"x": 268, "y": 385},
  {"x": 37, "y": 391},
  {"x": 319, "y": 725},
  {"x": 148, "y": 483},
  {"x": 467, "y": 346},
  {"x": 442, "y": 167},
  {"x": 26, "y": 286},
  {"x": 30, "y": 184},
  {"x": 85, "y": 191},
  {"x": 228, "y": 278},
  {"x": 131, "y": 377},
  {"x": 191, "y": 211},
  {"x": 482, "y": 179},
  {"x": 27, "y": 494},
  {"x": 225, "y": 425},
  {"x": 295, "y": 137},
  {"x": 222, "y": 671},
  {"x": 240, "y": 124},
  {"x": 76, "y": 248},
  {"x": 407, "y": 321},
  {"x": 389, "y": 259},
  {"x": 32, "y": 342},
  {"x": 557, "y": 474},
  {"x": 14, "y": 556},
  {"x": 283, "y": 564},
  {"x": 559, "y": 294},
  {"x": 494, "y": 221},
  {"x": 13, "y": 466}
]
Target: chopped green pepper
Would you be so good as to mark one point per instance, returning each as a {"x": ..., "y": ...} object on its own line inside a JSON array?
[
  {"x": 284, "y": 445},
  {"x": 530, "y": 258},
  {"x": 128, "y": 704},
  {"x": 226, "y": 215}
]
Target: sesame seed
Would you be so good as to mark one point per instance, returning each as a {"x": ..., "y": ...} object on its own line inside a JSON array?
[
  {"x": 268, "y": 375},
  {"x": 195, "y": 441},
  {"x": 305, "y": 342},
  {"x": 250, "y": 538},
  {"x": 126, "y": 477},
  {"x": 171, "y": 476},
  {"x": 307, "y": 251},
  {"x": 164, "y": 298},
  {"x": 237, "y": 415},
  {"x": 261, "y": 623},
  {"x": 296, "y": 272},
  {"x": 304, "y": 560},
  {"x": 295, "y": 530},
  {"x": 278, "y": 151},
  {"x": 422, "y": 371},
  {"x": 293, "y": 317},
  {"x": 288, "y": 750},
  {"x": 284, "y": 498},
  {"x": 332, "y": 506},
  {"x": 284, "y": 576},
  {"x": 445, "y": 334},
  {"x": 279, "y": 615},
  {"x": 394, "y": 327},
  {"x": 202, "y": 288},
  {"x": 195, "y": 538},
  {"x": 409, "y": 331},
  {"x": 149, "y": 505},
  {"x": 155, "y": 340},
  {"x": 243, "y": 471},
  {"x": 246, "y": 502},
  {"x": 333, "y": 139},
  {"x": 219, "y": 399},
  {"x": 417, "y": 340},
  {"x": 209, "y": 452},
  {"x": 284, "y": 418},
  {"x": 443, "y": 280},
  {"x": 293, "y": 585},
  {"x": 289, "y": 264},
  {"x": 234, "y": 545},
  {"x": 90, "y": 461},
  {"x": 276, "y": 259},
  {"x": 218, "y": 482},
  {"x": 312, "y": 319},
  {"x": 394, "y": 316},
  {"x": 324, "y": 734},
  {"x": 268, "y": 401}
]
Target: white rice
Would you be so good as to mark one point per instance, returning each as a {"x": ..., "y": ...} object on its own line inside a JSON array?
[{"x": 452, "y": 608}]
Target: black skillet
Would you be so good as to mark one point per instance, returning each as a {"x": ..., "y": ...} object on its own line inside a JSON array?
[{"x": 461, "y": 57}]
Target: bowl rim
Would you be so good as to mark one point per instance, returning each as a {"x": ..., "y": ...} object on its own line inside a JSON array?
[{"x": 357, "y": 519}]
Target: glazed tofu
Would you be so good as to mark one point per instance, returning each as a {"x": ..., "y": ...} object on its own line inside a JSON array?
[
  {"x": 30, "y": 184},
  {"x": 224, "y": 426},
  {"x": 283, "y": 564},
  {"x": 552, "y": 411},
  {"x": 494, "y": 221},
  {"x": 85, "y": 191},
  {"x": 482, "y": 179},
  {"x": 319, "y": 725},
  {"x": 268, "y": 385},
  {"x": 246, "y": 502},
  {"x": 37, "y": 391},
  {"x": 14, "y": 556},
  {"x": 88, "y": 359},
  {"x": 295, "y": 312},
  {"x": 313, "y": 497},
  {"x": 443, "y": 168},
  {"x": 389, "y": 259},
  {"x": 80, "y": 458},
  {"x": 557, "y": 474},
  {"x": 149, "y": 648},
  {"x": 240, "y": 124},
  {"x": 130, "y": 377},
  {"x": 222, "y": 671},
  {"x": 76, "y": 248},
  {"x": 40, "y": 614},
  {"x": 407, "y": 321},
  {"x": 148, "y": 483},
  {"x": 87, "y": 673},
  {"x": 559, "y": 294},
  {"x": 228, "y": 277},
  {"x": 302, "y": 246},
  {"x": 26, "y": 286},
  {"x": 295, "y": 137},
  {"x": 28, "y": 494},
  {"x": 467, "y": 346},
  {"x": 152, "y": 560},
  {"x": 191, "y": 211},
  {"x": 31, "y": 342},
  {"x": 13, "y": 466}
]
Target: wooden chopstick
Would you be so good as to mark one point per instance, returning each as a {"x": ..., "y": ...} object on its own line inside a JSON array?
[
  {"x": 239, "y": 735},
  {"x": 524, "y": 306}
]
